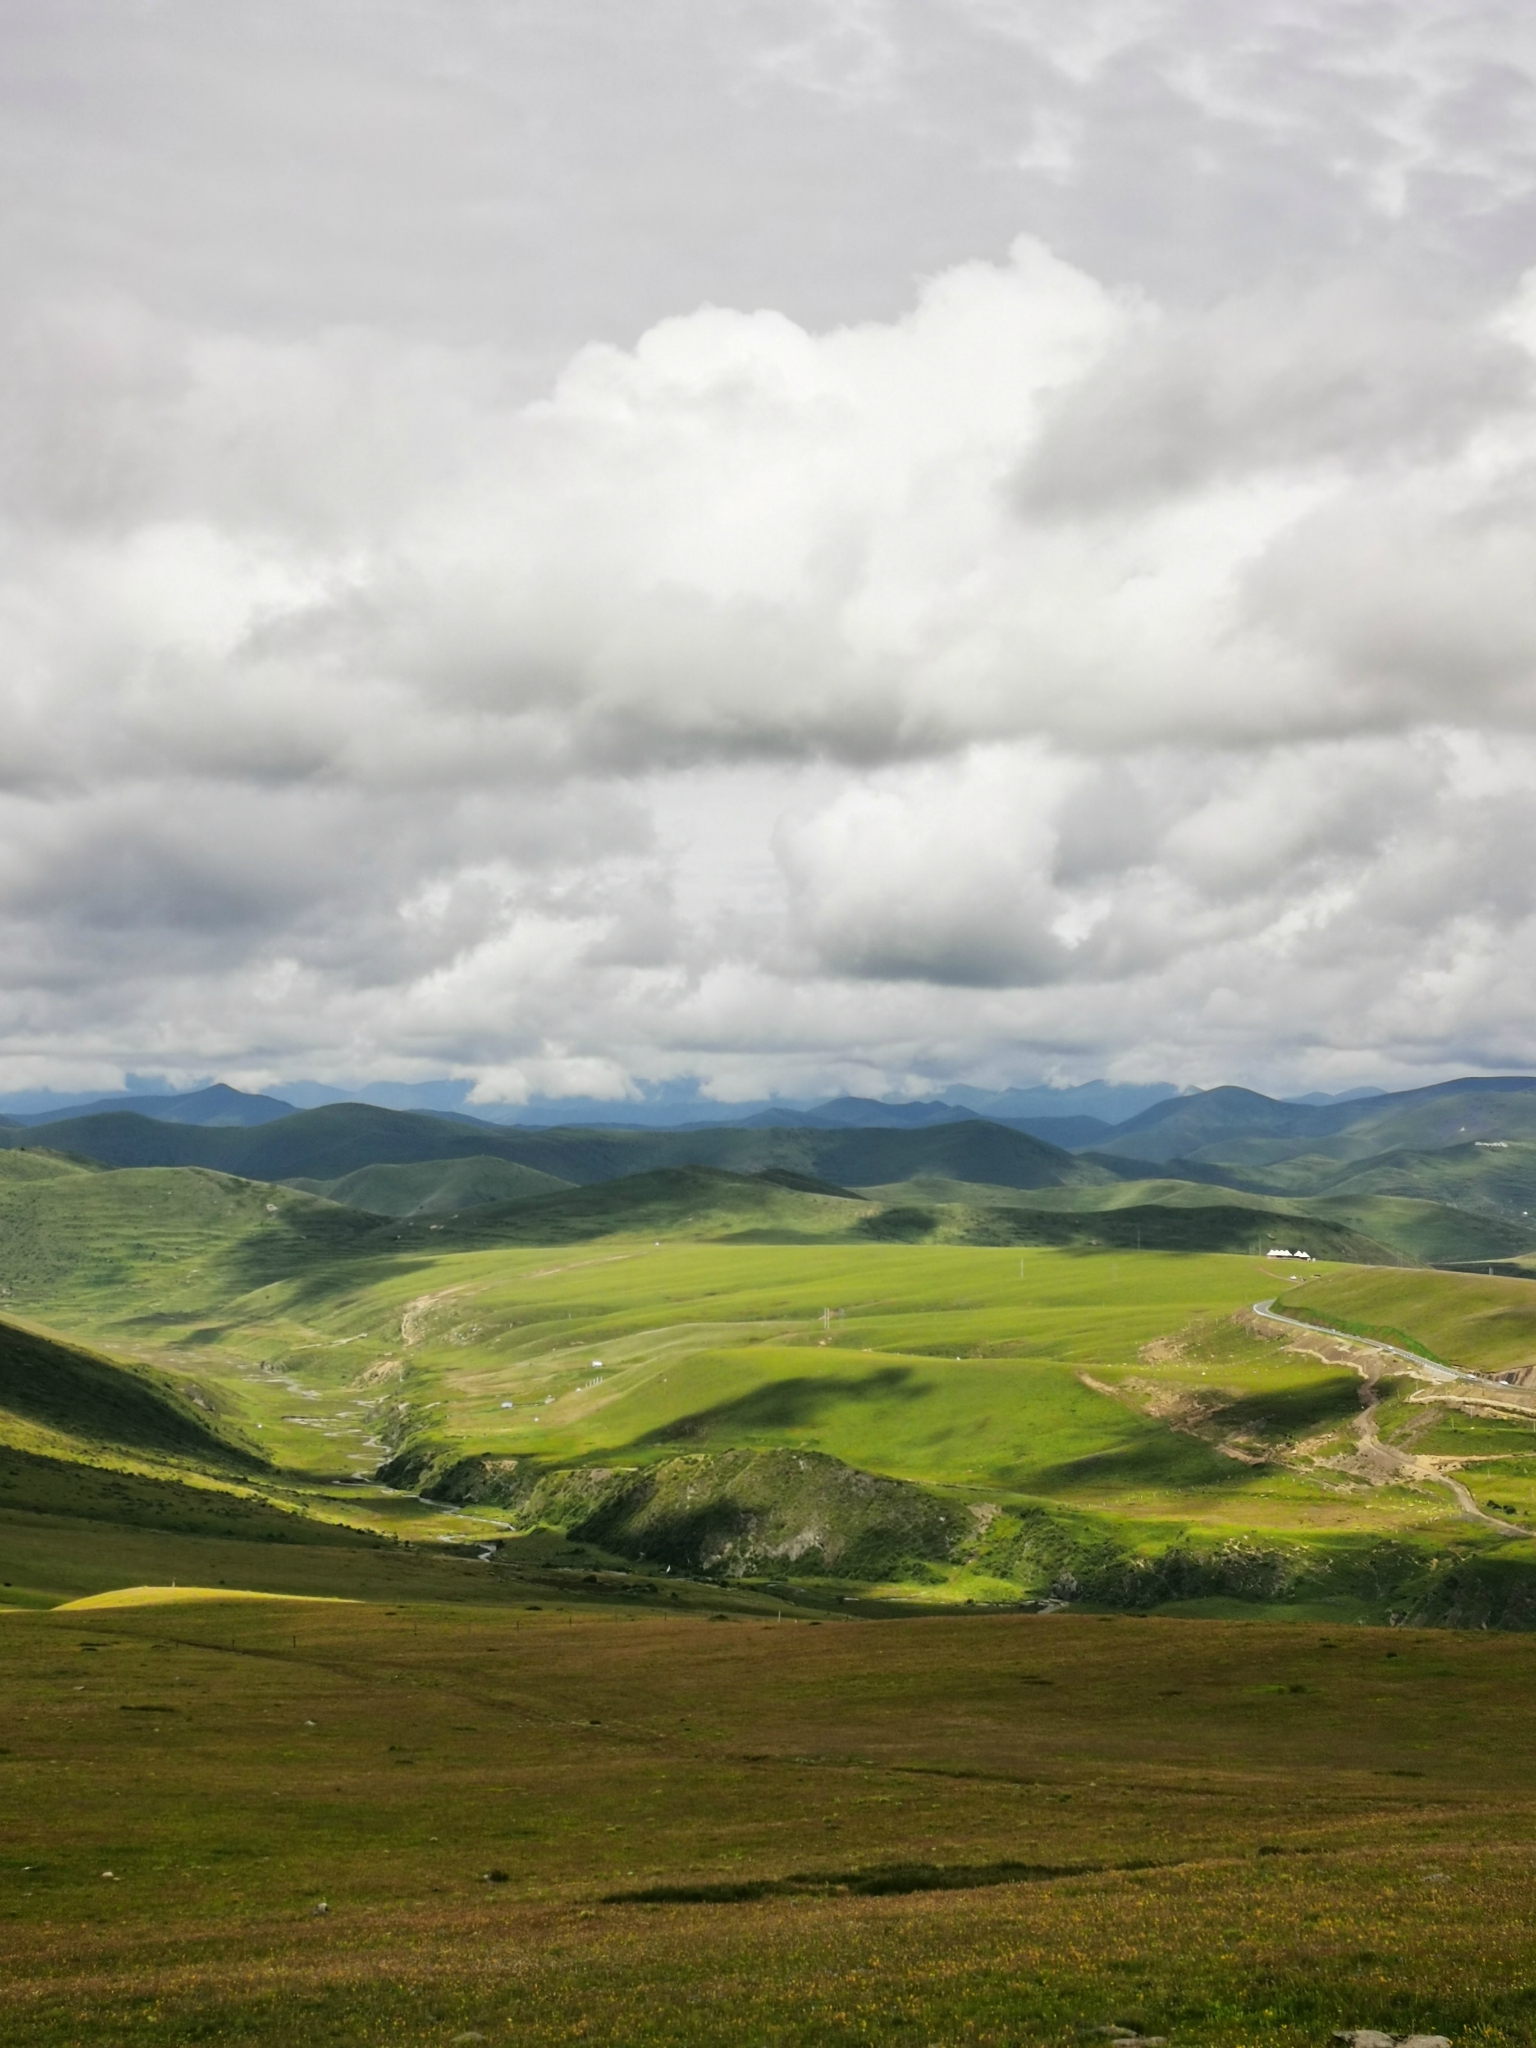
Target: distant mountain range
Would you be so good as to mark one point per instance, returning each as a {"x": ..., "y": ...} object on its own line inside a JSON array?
[
  {"x": 1444, "y": 1172},
  {"x": 211, "y": 1107},
  {"x": 1106, "y": 1101}
]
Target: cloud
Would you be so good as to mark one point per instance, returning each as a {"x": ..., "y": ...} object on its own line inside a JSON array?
[{"x": 1113, "y": 651}]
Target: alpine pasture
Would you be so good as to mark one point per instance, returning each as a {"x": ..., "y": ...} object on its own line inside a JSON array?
[{"x": 746, "y": 1627}]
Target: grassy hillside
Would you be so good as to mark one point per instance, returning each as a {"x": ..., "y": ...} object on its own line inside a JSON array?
[
  {"x": 1187, "y": 1124},
  {"x": 1466, "y": 1319},
  {"x": 68, "y": 1391},
  {"x": 1215, "y": 1121},
  {"x": 780, "y": 1206},
  {"x": 748, "y": 1315},
  {"x": 71, "y": 1489},
  {"x": 1497, "y": 1180},
  {"x": 69, "y": 1233},
  {"x": 1236, "y": 1128},
  {"x": 1174, "y": 1215},
  {"x": 1423, "y": 1232},
  {"x": 696, "y": 1201},
  {"x": 1468, "y": 1202},
  {"x": 434, "y": 1187}
]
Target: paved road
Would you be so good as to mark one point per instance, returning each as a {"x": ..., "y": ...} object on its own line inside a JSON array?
[{"x": 1436, "y": 1371}]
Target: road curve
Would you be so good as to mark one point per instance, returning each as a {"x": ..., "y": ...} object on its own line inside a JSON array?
[
  {"x": 1436, "y": 1371},
  {"x": 1404, "y": 1464}
]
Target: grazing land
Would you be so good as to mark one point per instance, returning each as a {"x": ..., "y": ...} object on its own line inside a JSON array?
[
  {"x": 273, "y": 1822},
  {"x": 921, "y": 1423},
  {"x": 706, "y": 1605}
]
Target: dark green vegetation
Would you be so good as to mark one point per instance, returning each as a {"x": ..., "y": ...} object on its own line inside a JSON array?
[
  {"x": 543, "y": 1824},
  {"x": 434, "y": 1187}
]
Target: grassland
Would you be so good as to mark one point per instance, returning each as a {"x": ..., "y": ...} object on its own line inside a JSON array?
[
  {"x": 543, "y": 1824},
  {"x": 671, "y": 1716},
  {"x": 1032, "y": 1423},
  {"x": 1482, "y": 1323},
  {"x": 434, "y": 1187}
]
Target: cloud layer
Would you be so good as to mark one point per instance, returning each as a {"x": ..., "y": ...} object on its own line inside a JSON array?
[{"x": 1095, "y": 659}]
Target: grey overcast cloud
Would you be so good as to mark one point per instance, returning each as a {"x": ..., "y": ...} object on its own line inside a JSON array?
[{"x": 800, "y": 544}]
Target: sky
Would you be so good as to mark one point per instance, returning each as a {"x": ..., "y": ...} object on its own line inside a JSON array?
[{"x": 781, "y": 546}]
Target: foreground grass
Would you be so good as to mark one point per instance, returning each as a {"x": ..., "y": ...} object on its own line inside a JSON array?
[{"x": 1231, "y": 1833}]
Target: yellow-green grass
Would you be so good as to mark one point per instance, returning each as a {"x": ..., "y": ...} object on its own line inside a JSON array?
[
  {"x": 176, "y": 1595},
  {"x": 962, "y": 1367},
  {"x": 49, "y": 1558},
  {"x": 996, "y": 1374},
  {"x": 1454, "y": 1434},
  {"x": 1413, "y": 1228},
  {"x": 1225, "y": 1833},
  {"x": 1477, "y": 1322}
]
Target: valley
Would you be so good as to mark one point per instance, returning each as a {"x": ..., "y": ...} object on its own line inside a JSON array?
[{"x": 738, "y": 1586}]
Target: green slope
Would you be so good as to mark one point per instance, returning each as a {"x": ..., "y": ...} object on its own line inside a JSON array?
[
  {"x": 1235, "y": 1128},
  {"x": 63, "y": 1389},
  {"x": 1151, "y": 1215},
  {"x": 696, "y": 1201},
  {"x": 1496, "y": 1179},
  {"x": 1185, "y": 1126},
  {"x": 1470, "y": 1320},
  {"x": 76, "y": 1491},
  {"x": 435, "y": 1187},
  {"x": 72, "y": 1234},
  {"x": 1008, "y": 1382},
  {"x": 1422, "y": 1232},
  {"x": 1180, "y": 1227}
]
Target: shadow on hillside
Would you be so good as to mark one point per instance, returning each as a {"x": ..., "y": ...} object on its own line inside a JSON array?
[
  {"x": 313, "y": 1270},
  {"x": 785, "y": 1404},
  {"x": 1173, "y": 1461},
  {"x": 1295, "y": 1411}
]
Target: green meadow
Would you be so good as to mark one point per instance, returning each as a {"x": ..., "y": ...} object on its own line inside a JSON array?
[
  {"x": 397, "y": 1821},
  {"x": 1037, "y": 1422},
  {"x": 725, "y": 1621}
]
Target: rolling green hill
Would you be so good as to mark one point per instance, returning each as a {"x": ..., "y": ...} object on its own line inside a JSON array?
[
  {"x": 1185, "y": 1226},
  {"x": 696, "y": 1201},
  {"x": 1063, "y": 1350},
  {"x": 1367, "y": 1227},
  {"x": 1423, "y": 1232},
  {"x": 434, "y": 1187},
  {"x": 1477, "y": 1322},
  {"x": 71, "y": 1233},
  {"x": 1236, "y": 1128},
  {"x": 1226, "y": 1149},
  {"x": 1495, "y": 1179},
  {"x": 67, "y": 1391}
]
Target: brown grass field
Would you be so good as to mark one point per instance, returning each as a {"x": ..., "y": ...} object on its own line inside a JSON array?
[{"x": 993, "y": 1829}]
